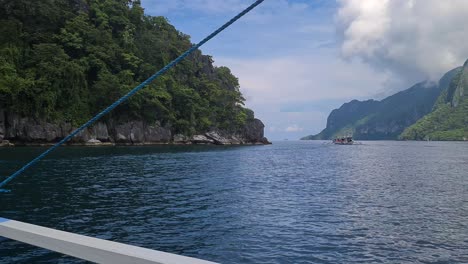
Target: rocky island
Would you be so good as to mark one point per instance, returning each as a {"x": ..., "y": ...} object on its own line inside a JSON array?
[{"x": 62, "y": 61}]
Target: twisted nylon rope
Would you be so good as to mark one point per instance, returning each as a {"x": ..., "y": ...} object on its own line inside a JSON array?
[{"x": 128, "y": 95}]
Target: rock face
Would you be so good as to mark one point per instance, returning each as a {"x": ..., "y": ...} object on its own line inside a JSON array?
[
  {"x": 2, "y": 124},
  {"x": 29, "y": 130},
  {"x": 181, "y": 139},
  {"x": 252, "y": 133},
  {"x": 156, "y": 133},
  {"x": 101, "y": 132},
  {"x": 25, "y": 130},
  {"x": 201, "y": 139},
  {"x": 218, "y": 138},
  {"x": 139, "y": 132},
  {"x": 385, "y": 119}
]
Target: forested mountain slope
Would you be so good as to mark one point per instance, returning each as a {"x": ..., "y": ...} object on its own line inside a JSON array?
[{"x": 449, "y": 118}]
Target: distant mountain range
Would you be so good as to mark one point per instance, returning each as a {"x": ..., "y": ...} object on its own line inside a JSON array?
[{"x": 426, "y": 111}]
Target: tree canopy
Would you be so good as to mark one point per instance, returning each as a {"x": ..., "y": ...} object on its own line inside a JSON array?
[{"x": 65, "y": 60}]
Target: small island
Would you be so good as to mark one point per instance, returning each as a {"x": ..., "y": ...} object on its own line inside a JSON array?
[{"x": 63, "y": 63}]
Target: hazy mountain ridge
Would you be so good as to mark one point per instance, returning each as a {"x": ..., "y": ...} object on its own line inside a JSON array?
[{"x": 388, "y": 118}]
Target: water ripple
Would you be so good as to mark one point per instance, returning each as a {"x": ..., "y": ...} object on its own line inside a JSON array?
[{"x": 292, "y": 202}]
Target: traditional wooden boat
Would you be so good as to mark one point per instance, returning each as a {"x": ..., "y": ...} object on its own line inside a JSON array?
[{"x": 343, "y": 141}]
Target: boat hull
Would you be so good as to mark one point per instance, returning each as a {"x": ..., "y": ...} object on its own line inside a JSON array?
[{"x": 343, "y": 143}]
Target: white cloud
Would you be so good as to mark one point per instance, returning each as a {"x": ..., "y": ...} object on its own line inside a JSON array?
[
  {"x": 312, "y": 77},
  {"x": 414, "y": 39},
  {"x": 294, "y": 128}
]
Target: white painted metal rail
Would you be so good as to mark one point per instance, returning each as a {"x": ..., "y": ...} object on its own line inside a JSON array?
[{"x": 88, "y": 248}]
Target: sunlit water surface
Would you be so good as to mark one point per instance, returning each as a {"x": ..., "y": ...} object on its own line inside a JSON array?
[{"x": 291, "y": 202}]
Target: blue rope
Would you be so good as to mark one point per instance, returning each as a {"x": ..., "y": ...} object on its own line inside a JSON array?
[{"x": 128, "y": 95}]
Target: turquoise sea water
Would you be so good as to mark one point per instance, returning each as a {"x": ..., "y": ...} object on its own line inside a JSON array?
[{"x": 291, "y": 202}]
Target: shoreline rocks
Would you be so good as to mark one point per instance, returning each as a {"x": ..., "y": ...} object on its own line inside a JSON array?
[
  {"x": 26, "y": 131},
  {"x": 6, "y": 143}
]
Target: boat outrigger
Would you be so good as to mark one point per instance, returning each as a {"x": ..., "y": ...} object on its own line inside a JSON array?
[{"x": 343, "y": 141}]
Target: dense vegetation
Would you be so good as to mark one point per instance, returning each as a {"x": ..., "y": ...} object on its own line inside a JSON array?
[
  {"x": 449, "y": 119},
  {"x": 64, "y": 60}
]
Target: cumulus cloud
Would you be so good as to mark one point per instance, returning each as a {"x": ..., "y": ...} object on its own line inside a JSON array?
[
  {"x": 278, "y": 81},
  {"x": 413, "y": 39}
]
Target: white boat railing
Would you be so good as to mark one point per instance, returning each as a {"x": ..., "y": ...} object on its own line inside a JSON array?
[{"x": 88, "y": 248}]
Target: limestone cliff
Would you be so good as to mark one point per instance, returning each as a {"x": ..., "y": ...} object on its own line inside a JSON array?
[{"x": 29, "y": 131}]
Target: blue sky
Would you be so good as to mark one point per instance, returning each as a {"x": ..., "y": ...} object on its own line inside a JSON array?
[{"x": 297, "y": 60}]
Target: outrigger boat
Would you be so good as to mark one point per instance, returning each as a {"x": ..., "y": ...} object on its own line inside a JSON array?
[{"x": 343, "y": 141}]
